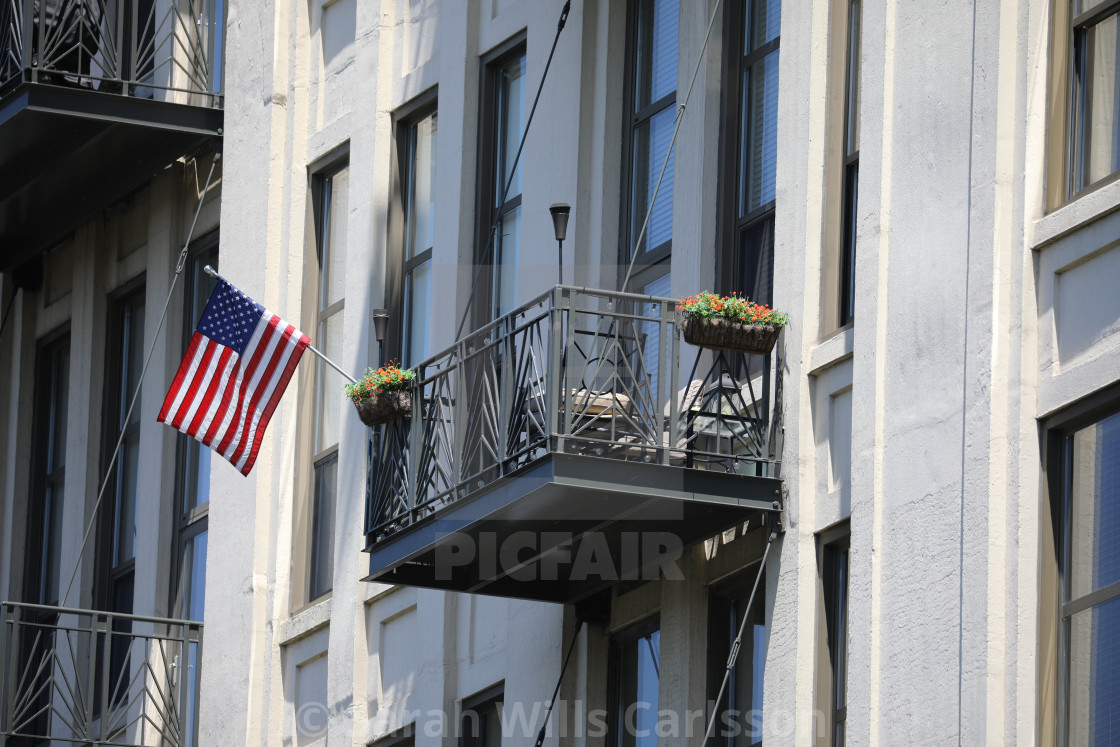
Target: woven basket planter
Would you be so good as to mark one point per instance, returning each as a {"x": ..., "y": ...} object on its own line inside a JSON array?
[
  {"x": 384, "y": 407},
  {"x": 724, "y": 334}
]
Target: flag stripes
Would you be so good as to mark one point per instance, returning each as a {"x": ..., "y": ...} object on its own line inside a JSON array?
[{"x": 225, "y": 397}]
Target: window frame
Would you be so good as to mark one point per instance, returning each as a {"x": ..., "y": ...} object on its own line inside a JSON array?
[
  {"x": 110, "y": 574},
  {"x": 650, "y": 265},
  {"x": 493, "y": 696},
  {"x": 44, "y": 475},
  {"x": 491, "y": 129},
  {"x": 830, "y": 543},
  {"x": 724, "y": 598},
  {"x": 189, "y": 524},
  {"x": 1062, "y": 120},
  {"x": 316, "y": 575},
  {"x": 1055, "y": 607},
  {"x": 616, "y": 712},
  {"x": 738, "y": 60},
  {"x": 400, "y": 265},
  {"x": 1078, "y": 26}
]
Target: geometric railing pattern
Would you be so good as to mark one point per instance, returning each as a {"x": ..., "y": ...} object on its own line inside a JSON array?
[
  {"x": 99, "y": 678},
  {"x": 573, "y": 371},
  {"x": 146, "y": 48}
]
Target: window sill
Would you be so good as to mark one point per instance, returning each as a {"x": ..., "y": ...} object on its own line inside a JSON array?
[
  {"x": 304, "y": 622},
  {"x": 832, "y": 350},
  {"x": 1073, "y": 216}
]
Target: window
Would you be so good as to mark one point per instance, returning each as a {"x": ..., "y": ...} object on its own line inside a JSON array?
[
  {"x": 48, "y": 465},
  {"x": 739, "y": 722},
  {"x": 850, "y": 186},
  {"x": 1083, "y": 127},
  {"x": 832, "y": 682},
  {"x": 751, "y": 146},
  {"x": 480, "y": 723},
  {"x": 192, "y": 495},
  {"x": 635, "y": 682},
  {"x": 503, "y": 121},
  {"x": 417, "y": 144},
  {"x": 1094, "y": 121},
  {"x": 1089, "y": 561},
  {"x": 124, "y": 361},
  {"x": 651, "y": 95},
  {"x": 331, "y": 198},
  {"x": 193, "y": 483}
]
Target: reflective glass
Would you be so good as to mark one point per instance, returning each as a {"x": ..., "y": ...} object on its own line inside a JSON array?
[
  {"x": 195, "y": 606},
  {"x": 759, "y": 146},
  {"x": 656, "y": 68},
  {"x": 651, "y": 143},
  {"x": 421, "y": 213},
  {"x": 764, "y": 22},
  {"x": 511, "y": 105},
  {"x": 329, "y": 393},
  {"x": 640, "y": 675},
  {"x": 1100, "y": 121},
  {"x": 508, "y": 248},
  {"x": 337, "y": 207},
  {"x": 1095, "y": 507},
  {"x": 1094, "y": 675},
  {"x": 418, "y": 301},
  {"x": 854, "y": 52}
]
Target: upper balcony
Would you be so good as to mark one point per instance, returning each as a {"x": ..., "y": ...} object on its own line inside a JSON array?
[
  {"x": 95, "y": 97},
  {"x": 575, "y": 442}
]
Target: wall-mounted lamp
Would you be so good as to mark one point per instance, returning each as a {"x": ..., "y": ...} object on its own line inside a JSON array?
[
  {"x": 381, "y": 330},
  {"x": 560, "y": 213}
]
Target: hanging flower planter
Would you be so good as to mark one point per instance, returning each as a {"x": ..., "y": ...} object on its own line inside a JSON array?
[
  {"x": 382, "y": 395},
  {"x": 730, "y": 323},
  {"x": 384, "y": 407}
]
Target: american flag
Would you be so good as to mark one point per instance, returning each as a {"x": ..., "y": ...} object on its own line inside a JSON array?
[{"x": 233, "y": 374}]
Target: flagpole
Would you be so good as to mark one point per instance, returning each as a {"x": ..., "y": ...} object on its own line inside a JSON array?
[{"x": 214, "y": 274}]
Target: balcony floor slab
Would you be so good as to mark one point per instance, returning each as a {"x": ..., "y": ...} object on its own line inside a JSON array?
[{"x": 567, "y": 527}]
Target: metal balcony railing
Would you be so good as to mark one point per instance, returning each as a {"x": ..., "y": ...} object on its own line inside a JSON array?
[
  {"x": 171, "y": 51},
  {"x": 97, "y": 678},
  {"x": 574, "y": 371}
]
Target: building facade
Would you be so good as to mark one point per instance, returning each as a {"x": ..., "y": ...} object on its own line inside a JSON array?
[{"x": 906, "y": 507}]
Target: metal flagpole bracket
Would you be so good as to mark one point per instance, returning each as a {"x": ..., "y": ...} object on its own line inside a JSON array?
[{"x": 214, "y": 274}]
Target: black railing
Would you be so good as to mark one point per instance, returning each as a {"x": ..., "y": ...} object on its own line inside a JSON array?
[
  {"x": 141, "y": 48},
  {"x": 98, "y": 678},
  {"x": 574, "y": 371}
]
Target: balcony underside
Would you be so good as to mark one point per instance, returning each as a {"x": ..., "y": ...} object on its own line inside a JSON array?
[
  {"x": 566, "y": 527},
  {"x": 67, "y": 153}
]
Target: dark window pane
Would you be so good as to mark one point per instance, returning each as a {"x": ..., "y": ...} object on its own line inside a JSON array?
[
  {"x": 322, "y": 527},
  {"x": 44, "y": 530},
  {"x": 651, "y": 143},
  {"x": 848, "y": 247},
  {"x": 756, "y": 250}
]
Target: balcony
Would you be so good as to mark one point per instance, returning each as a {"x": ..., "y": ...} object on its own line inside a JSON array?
[
  {"x": 95, "y": 97},
  {"x": 576, "y": 442},
  {"x": 100, "y": 678}
]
